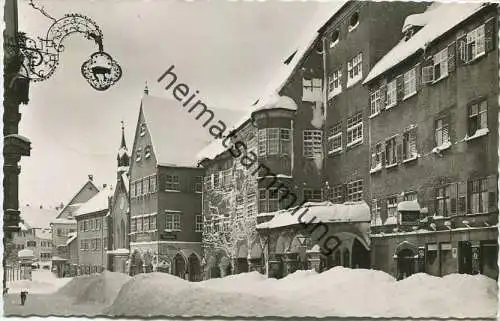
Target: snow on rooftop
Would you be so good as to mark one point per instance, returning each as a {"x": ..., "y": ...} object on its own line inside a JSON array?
[
  {"x": 409, "y": 206},
  {"x": 438, "y": 19},
  {"x": 125, "y": 182},
  {"x": 64, "y": 221},
  {"x": 36, "y": 217},
  {"x": 271, "y": 98},
  {"x": 97, "y": 203},
  {"x": 176, "y": 135},
  {"x": 71, "y": 237},
  {"x": 122, "y": 151},
  {"x": 325, "y": 212}
]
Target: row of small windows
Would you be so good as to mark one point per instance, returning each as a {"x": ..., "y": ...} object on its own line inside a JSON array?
[
  {"x": 94, "y": 244},
  {"x": 92, "y": 224},
  {"x": 34, "y": 244},
  {"x": 312, "y": 89},
  {"x": 274, "y": 199},
  {"x": 64, "y": 231},
  {"x": 148, "y": 185},
  {"x": 471, "y": 46},
  {"x": 140, "y": 153},
  {"x": 274, "y": 141},
  {"x": 353, "y": 23},
  {"x": 147, "y": 223},
  {"x": 143, "y": 186},
  {"x": 354, "y": 132},
  {"x": 403, "y": 147},
  {"x": 476, "y": 196}
]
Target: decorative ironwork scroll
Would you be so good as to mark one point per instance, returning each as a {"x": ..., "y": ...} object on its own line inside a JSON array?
[{"x": 41, "y": 57}]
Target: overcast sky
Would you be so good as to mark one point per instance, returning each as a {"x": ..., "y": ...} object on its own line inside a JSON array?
[{"x": 227, "y": 50}]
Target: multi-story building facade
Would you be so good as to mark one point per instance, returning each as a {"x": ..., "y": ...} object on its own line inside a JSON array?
[
  {"x": 165, "y": 188},
  {"x": 308, "y": 137},
  {"x": 65, "y": 222},
  {"x": 434, "y": 142},
  {"x": 119, "y": 218},
  {"x": 92, "y": 233}
]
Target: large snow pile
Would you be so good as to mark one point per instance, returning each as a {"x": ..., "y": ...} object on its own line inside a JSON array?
[
  {"x": 42, "y": 282},
  {"x": 102, "y": 288},
  {"x": 336, "y": 292},
  {"x": 158, "y": 294}
]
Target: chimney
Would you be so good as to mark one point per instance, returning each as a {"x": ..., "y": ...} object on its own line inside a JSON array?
[{"x": 91, "y": 177}]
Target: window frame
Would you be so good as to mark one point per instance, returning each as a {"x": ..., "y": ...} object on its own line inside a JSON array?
[
  {"x": 355, "y": 69},
  {"x": 392, "y": 88},
  {"x": 172, "y": 182},
  {"x": 409, "y": 83},
  {"x": 355, "y": 127},
  {"x": 440, "y": 62},
  {"x": 312, "y": 143},
  {"x": 477, "y": 116},
  {"x": 334, "y": 135},
  {"x": 354, "y": 188},
  {"x": 174, "y": 220}
]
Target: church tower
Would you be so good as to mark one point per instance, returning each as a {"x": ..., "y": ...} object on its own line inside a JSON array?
[{"x": 123, "y": 157}]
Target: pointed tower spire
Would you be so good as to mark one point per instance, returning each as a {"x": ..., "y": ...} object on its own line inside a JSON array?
[
  {"x": 146, "y": 89},
  {"x": 123, "y": 157},
  {"x": 123, "y": 144}
]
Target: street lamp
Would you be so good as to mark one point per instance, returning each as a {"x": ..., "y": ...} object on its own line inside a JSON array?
[{"x": 41, "y": 57}]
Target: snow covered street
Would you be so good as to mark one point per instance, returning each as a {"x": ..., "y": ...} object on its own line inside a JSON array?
[{"x": 337, "y": 292}]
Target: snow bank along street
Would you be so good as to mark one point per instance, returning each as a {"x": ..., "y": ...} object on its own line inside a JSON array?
[{"x": 336, "y": 292}]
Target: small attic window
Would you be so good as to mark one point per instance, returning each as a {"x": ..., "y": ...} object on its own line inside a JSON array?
[
  {"x": 353, "y": 21},
  {"x": 147, "y": 151},
  {"x": 334, "y": 38},
  {"x": 138, "y": 154},
  {"x": 319, "y": 47},
  {"x": 143, "y": 129}
]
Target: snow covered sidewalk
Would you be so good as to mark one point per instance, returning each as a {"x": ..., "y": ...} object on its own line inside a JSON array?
[
  {"x": 42, "y": 282},
  {"x": 337, "y": 292}
]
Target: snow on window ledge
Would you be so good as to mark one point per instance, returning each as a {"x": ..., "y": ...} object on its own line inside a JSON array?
[
  {"x": 479, "y": 133},
  {"x": 374, "y": 115},
  {"x": 442, "y": 147},
  {"x": 172, "y": 190},
  {"x": 335, "y": 151},
  {"x": 354, "y": 80},
  {"x": 334, "y": 92},
  {"x": 440, "y": 78},
  {"x": 355, "y": 142},
  {"x": 377, "y": 168},
  {"x": 391, "y": 105},
  {"x": 410, "y": 95},
  {"x": 352, "y": 28},
  {"x": 333, "y": 44},
  {"x": 391, "y": 165},
  {"x": 410, "y": 159}
]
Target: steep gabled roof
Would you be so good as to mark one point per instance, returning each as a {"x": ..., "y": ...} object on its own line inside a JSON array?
[
  {"x": 98, "y": 203},
  {"x": 271, "y": 96},
  {"x": 176, "y": 134},
  {"x": 71, "y": 206},
  {"x": 437, "y": 20},
  {"x": 35, "y": 217}
]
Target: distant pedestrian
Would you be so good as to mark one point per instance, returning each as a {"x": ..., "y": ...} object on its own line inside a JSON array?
[{"x": 24, "y": 294}]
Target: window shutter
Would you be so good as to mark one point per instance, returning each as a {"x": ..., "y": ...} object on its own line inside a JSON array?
[
  {"x": 418, "y": 76},
  {"x": 452, "y": 49},
  {"x": 374, "y": 156},
  {"x": 462, "y": 198},
  {"x": 399, "y": 150},
  {"x": 462, "y": 50},
  {"x": 399, "y": 87},
  {"x": 383, "y": 209},
  {"x": 453, "y": 198},
  {"x": 492, "y": 193},
  {"x": 383, "y": 96},
  {"x": 382, "y": 155},
  {"x": 489, "y": 35},
  {"x": 428, "y": 71}
]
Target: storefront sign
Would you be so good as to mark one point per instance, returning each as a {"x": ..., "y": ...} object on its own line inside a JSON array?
[
  {"x": 168, "y": 236},
  {"x": 445, "y": 246}
]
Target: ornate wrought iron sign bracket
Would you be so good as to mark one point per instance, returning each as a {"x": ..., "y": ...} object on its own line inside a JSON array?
[{"x": 41, "y": 57}]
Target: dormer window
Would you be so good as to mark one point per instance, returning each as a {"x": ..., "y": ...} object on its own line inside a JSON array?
[
  {"x": 353, "y": 21},
  {"x": 138, "y": 154},
  {"x": 147, "y": 151},
  {"x": 143, "y": 130},
  {"x": 334, "y": 38}
]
